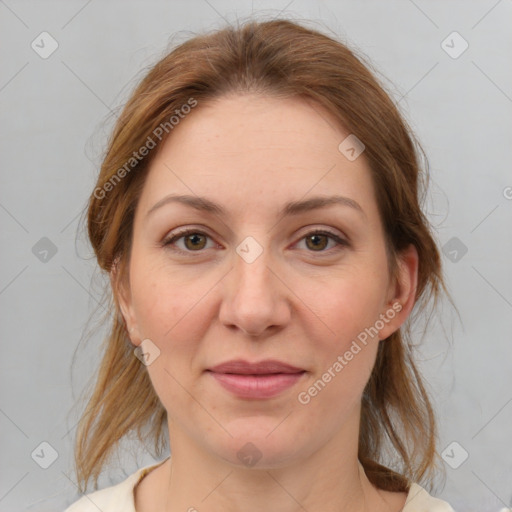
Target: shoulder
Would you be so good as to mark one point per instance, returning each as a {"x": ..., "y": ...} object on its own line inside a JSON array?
[
  {"x": 419, "y": 500},
  {"x": 116, "y": 498}
]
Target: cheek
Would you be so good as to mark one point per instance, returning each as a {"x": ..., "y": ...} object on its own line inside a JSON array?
[
  {"x": 347, "y": 338},
  {"x": 173, "y": 310},
  {"x": 163, "y": 298},
  {"x": 170, "y": 313},
  {"x": 349, "y": 304}
]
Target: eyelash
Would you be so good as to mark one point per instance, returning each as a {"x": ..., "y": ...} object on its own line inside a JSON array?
[{"x": 169, "y": 241}]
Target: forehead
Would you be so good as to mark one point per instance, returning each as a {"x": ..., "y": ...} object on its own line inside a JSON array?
[{"x": 254, "y": 151}]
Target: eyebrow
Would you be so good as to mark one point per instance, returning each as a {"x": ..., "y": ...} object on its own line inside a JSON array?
[{"x": 204, "y": 204}]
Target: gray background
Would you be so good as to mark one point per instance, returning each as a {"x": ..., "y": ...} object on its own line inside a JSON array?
[{"x": 56, "y": 114}]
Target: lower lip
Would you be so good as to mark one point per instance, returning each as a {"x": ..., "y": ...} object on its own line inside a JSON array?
[{"x": 257, "y": 386}]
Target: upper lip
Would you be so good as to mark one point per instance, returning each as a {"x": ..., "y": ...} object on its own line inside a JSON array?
[{"x": 268, "y": 366}]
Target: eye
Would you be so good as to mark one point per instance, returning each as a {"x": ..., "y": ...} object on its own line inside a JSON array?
[
  {"x": 193, "y": 239},
  {"x": 319, "y": 240}
]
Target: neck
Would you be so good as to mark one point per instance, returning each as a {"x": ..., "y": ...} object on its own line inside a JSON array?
[{"x": 329, "y": 479}]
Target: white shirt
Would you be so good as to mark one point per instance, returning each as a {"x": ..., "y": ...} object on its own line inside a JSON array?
[{"x": 120, "y": 497}]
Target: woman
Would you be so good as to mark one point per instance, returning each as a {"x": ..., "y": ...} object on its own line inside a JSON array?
[{"x": 258, "y": 214}]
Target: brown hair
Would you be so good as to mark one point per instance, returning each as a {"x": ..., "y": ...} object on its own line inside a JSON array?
[{"x": 281, "y": 58}]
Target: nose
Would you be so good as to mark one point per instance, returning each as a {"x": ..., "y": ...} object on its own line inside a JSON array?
[{"x": 255, "y": 299}]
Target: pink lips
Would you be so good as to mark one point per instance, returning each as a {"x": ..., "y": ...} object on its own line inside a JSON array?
[{"x": 261, "y": 380}]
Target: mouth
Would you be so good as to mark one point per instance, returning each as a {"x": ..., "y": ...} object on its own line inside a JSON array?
[{"x": 262, "y": 380}]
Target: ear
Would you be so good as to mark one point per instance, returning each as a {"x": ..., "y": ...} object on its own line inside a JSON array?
[
  {"x": 122, "y": 296},
  {"x": 401, "y": 293}
]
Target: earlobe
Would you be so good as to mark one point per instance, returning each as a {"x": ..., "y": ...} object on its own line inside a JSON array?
[{"x": 402, "y": 293}]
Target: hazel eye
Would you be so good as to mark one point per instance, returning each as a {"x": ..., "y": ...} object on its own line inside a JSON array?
[
  {"x": 194, "y": 240},
  {"x": 318, "y": 241}
]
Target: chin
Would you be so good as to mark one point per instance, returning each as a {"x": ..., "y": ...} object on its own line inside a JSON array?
[{"x": 258, "y": 444}]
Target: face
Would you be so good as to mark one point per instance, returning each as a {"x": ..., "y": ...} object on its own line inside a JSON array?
[{"x": 265, "y": 273}]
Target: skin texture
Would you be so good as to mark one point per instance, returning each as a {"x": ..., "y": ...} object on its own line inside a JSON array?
[{"x": 295, "y": 302}]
